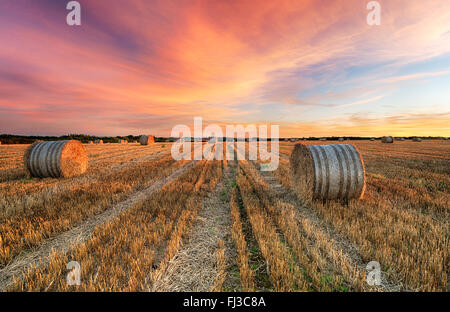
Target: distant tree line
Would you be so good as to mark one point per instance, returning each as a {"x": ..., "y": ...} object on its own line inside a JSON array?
[{"x": 84, "y": 138}]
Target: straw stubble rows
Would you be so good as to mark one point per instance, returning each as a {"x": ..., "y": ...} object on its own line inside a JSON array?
[{"x": 227, "y": 223}]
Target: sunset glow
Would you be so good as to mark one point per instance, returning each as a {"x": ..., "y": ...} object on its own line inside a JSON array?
[{"x": 313, "y": 67}]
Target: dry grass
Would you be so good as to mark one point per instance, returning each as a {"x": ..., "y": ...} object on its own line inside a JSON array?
[
  {"x": 403, "y": 220},
  {"x": 282, "y": 242},
  {"x": 243, "y": 260},
  {"x": 25, "y": 221},
  {"x": 285, "y": 275},
  {"x": 222, "y": 267},
  {"x": 132, "y": 261}
]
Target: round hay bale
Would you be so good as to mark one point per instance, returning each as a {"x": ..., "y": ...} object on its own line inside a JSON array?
[
  {"x": 417, "y": 139},
  {"x": 56, "y": 159},
  {"x": 327, "y": 172},
  {"x": 91, "y": 142},
  {"x": 372, "y": 139},
  {"x": 98, "y": 141},
  {"x": 341, "y": 139},
  {"x": 387, "y": 139},
  {"x": 146, "y": 139}
]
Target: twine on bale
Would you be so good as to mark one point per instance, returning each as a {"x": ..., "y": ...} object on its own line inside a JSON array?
[
  {"x": 327, "y": 172},
  {"x": 56, "y": 159}
]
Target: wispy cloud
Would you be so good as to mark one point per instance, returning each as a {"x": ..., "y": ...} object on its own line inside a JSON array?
[
  {"x": 413, "y": 76},
  {"x": 222, "y": 60},
  {"x": 365, "y": 101}
]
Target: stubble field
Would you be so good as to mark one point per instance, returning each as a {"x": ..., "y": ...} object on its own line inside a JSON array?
[{"x": 138, "y": 220}]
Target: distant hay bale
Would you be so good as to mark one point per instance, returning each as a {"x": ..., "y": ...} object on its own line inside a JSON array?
[
  {"x": 415, "y": 139},
  {"x": 91, "y": 142},
  {"x": 146, "y": 139},
  {"x": 327, "y": 172},
  {"x": 0, "y": 142},
  {"x": 387, "y": 139},
  {"x": 341, "y": 139},
  {"x": 372, "y": 139},
  {"x": 98, "y": 141},
  {"x": 322, "y": 139},
  {"x": 402, "y": 139},
  {"x": 56, "y": 159}
]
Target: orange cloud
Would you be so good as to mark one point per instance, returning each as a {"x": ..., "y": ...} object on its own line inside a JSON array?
[{"x": 149, "y": 65}]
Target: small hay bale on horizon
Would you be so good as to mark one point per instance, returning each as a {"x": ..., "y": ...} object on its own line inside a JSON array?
[
  {"x": 98, "y": 141},
  {"x": 56, "y": 159},
  {"x": 146, "y": 139},
  {"x": 416, "y": 139},
  {"x": 327, "y": 172},
  {"x": 387, "y": 139}
]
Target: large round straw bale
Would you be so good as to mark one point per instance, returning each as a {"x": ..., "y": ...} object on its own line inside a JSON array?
[
  {"x": 387, "y": 139},
  {"x": 146, "y": 139},
  {"x": 56, "y": 159},
  {"x": 327, "y": 172}
]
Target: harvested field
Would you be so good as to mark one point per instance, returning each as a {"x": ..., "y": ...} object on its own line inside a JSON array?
[{"x": 137, "y": 220}]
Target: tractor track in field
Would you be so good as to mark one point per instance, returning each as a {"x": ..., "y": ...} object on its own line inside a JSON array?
[
  {"x": 63, "y": 242},
  {"x": 194, "y": 266},
  {"x": 343, "y": 245}
]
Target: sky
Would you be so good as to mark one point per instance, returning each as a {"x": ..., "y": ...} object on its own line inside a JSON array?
[{"x": 315, "y": 68}]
